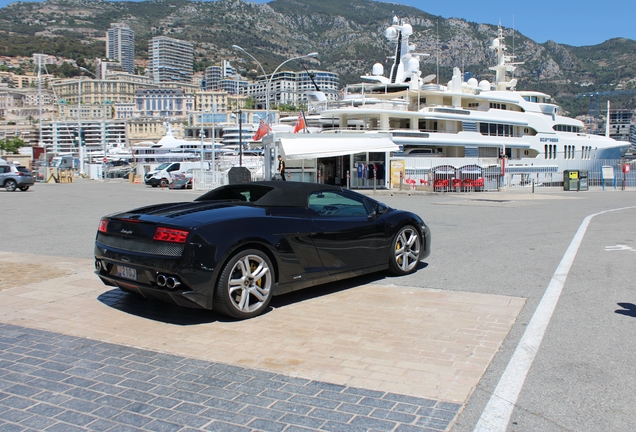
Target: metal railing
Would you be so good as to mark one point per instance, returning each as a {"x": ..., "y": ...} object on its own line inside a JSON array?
[{"x": 485, "y": 174}]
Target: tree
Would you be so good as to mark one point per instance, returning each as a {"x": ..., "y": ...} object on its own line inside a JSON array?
[{"x": 11, "y": 145}]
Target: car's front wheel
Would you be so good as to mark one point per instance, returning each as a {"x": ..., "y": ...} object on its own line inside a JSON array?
[
  {"x": 163, "y": 182},
  {"x": 10, "y": 185},
  {"x": 245, "y": 285},
  {"x": 405, "y": 251},
  {"x": 24, "y": 188}
]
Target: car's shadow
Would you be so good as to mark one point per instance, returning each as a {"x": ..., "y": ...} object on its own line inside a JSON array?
[{"x": 168, "y": 313}]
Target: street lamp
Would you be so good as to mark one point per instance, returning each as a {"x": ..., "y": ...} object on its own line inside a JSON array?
[
  {"x": 269, "y": 83},
  {"x": 238, "y": 48},
  {"x": 79, "y": 119}
]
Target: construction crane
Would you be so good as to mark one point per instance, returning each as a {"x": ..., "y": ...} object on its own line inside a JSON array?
[{"x": 594, "y": 104}]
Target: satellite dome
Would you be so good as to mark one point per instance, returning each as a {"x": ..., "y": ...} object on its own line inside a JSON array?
[
  {"x": 413, "y": 64},
  {"x": 391, "y": 33},
  {"x": 484, "y": 85},
  {"x": 407, "y": 30},
  {"x": 378, "y": 69},
  {"x": 472, "y": 82},
  {"x": 495, "y": 42}
]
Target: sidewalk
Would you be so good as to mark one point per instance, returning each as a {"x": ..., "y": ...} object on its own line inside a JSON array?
[{"x": 419, "y": 343}]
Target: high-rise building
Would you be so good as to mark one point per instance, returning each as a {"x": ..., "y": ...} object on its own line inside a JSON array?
[
  {"x": 220, "y": 77},
  {"x": 120, "y": 45},
  {"x": 170, "y": 60}
]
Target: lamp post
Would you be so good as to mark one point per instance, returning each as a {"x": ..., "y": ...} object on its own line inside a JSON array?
[
  {"x": 79, "y": 120},
  {"x": 269, "y": 81},
  {"x": 238, "y": 48},
  {"x": 271, "y": 77},
  {"x": 202, "y": 134}
]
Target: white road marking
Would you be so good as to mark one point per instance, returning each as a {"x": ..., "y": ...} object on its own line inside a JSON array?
[
  {"x": 496, "y": 415},
  {"x": 620, "y": 248}
]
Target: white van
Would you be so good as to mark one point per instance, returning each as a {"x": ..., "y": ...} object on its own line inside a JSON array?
[{"x": 162, "y": 175}]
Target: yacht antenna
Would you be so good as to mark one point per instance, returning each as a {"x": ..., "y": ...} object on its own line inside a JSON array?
[
  {"x": 513, "y": 42},
  {"x": 437, "y": 77}
]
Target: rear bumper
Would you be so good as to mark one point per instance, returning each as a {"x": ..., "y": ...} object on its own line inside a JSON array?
[
  {"x": 195, "y": 287},
  {"x": 186, "y": 298}
]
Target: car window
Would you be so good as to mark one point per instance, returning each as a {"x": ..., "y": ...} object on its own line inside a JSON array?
[
  {"x": 4, "y": 169},
  {"x": 22, "y": 169},
  {"x": 334, "y": 203}
]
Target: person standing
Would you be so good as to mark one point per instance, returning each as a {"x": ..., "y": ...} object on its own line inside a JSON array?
[{"x": 281, "y": 168}]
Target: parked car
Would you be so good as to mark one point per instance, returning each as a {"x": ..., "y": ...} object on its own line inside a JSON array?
[
  {"x": 236, "y": 246},
  {"x": 14, "y": 177}
]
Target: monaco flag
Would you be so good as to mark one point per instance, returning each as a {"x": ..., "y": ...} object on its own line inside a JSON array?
[
  {"x": 262, "y": 130},
  {"x": 300, "y": 123}
]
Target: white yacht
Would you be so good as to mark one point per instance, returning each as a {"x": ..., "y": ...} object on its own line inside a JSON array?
[
  {"x": 465, "y": 119},
  {"x": 170, "y": 148}
]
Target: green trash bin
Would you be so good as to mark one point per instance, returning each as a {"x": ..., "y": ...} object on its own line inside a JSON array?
[{"x": 571, "y": 180}]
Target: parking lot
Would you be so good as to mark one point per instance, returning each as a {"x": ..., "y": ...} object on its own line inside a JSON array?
[{"x": 420, "y": 352}]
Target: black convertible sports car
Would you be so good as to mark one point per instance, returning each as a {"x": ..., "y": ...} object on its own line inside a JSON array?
[{"x": 236, "y": 246}]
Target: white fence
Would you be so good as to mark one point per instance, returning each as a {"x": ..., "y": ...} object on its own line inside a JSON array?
[{"x": 485, "y": 174}]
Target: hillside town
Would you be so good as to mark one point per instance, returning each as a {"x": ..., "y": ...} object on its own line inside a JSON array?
[{"x": 110, "y": 105}]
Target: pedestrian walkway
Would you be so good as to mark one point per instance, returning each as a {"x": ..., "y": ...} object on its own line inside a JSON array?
[
  {"x": 363, "y": 356},
  {"x": 55, "y": 382}
]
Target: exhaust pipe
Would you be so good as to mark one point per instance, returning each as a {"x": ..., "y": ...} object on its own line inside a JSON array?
[
  {"x": 98, "y": 265},
  {"x": 161, "y": 280},
  {"x": 172, "y": 283}
]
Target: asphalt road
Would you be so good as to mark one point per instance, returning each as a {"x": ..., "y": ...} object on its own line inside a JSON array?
[{"x": 582, "y": 378}]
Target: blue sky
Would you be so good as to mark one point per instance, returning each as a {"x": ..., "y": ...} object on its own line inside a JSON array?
[{"x": 582, "y": 22}]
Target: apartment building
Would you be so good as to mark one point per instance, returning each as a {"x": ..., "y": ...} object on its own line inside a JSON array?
[
  {"x": 292, "y": 87},
  {"x": 171, "y": 60},
  {"x": 120, "y": 46}
]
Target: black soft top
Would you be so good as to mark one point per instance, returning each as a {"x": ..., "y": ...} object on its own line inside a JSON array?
[{"x": 267, "y": 193}]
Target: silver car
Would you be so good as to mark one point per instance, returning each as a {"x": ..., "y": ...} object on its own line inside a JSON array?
[{"x": 14, "y": 177}]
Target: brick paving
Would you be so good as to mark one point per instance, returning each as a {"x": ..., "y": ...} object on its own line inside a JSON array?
[
  {"x": 78, "y": 355},
  {"x": 54, "y": 382}
]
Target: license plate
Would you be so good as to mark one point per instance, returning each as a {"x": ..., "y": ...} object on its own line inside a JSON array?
[{"x": 126, "y": 272}]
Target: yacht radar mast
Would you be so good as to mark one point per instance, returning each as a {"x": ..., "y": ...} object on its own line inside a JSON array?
[
  {"x": 405, "y": 71},
  {"x": 504, "y": 62}
]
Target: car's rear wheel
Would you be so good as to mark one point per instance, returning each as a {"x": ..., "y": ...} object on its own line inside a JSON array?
[
  {"x": 24, "y": 188},
  {"x": 245, "y": 285},
  {"x": 10, "y": 185},
  {"x": 405, "y": 251}
]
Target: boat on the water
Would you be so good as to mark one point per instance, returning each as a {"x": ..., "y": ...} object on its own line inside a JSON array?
[{"x": 465, "y": 119}]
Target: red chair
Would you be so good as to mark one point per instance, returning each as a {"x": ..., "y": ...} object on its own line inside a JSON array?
[
  {"x": 410, "y": 182},
  {"x": 469, "y": 183},
  {"x": 479, "y": 183},
  {"x": 423, "y": 182},
  {"x": 457, "y": 183},
  {"x": 440, "y": 184}
]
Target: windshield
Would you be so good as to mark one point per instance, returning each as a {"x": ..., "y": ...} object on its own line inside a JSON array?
[{"x": 163, "y": 166}]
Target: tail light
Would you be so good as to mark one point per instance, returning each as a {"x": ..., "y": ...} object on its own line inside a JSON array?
[
  {"x": 103, "y": 224},
  {"x": 20, "y": 174},
  {"x": 170, "y": 235}
]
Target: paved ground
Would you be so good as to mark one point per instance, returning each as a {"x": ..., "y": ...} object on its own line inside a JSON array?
[
  {"x": 426, "y": 348},
  {"x": 420, "y": 352}
]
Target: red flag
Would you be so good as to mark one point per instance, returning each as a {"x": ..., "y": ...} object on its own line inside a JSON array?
[
  {"x": 262, "y": 130},
  {"x": 300, "y": 123}
]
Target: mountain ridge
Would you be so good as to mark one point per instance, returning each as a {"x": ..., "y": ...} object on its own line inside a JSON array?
[{"x": 348, "y": 35}]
